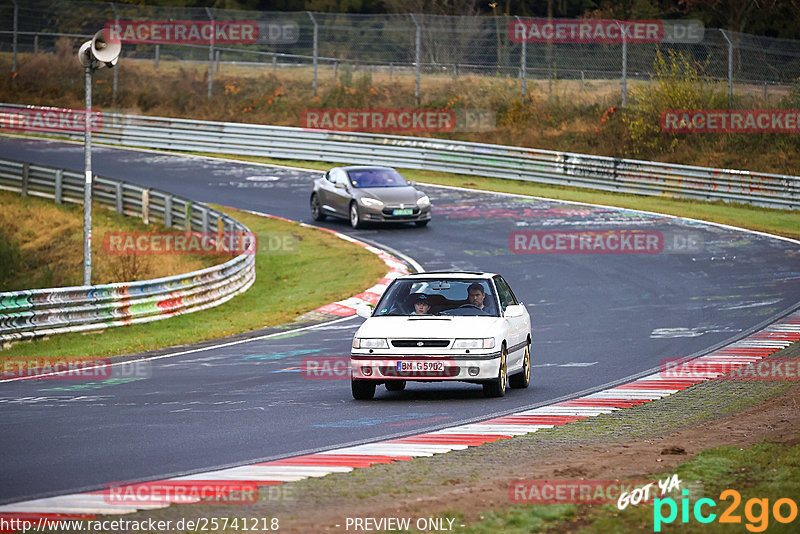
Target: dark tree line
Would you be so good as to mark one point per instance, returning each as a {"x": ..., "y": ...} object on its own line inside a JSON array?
[{"x": 772, "y": 18}]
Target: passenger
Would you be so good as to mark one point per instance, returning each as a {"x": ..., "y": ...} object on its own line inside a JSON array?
[{"x": 421, "y": 306}]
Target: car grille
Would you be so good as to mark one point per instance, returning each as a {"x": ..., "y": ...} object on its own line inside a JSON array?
[
  {"x": 406, "y": 343},
  {"x": 387, "y": 211},
  {"x": 445, "y": 373}
]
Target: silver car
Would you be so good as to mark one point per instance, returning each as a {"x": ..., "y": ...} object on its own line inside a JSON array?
[{"x": 363, "y": 194}]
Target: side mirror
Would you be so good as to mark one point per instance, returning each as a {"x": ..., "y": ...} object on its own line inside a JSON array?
[
  {"x": 514, "y": 310},
  {"x": 340, "y": 185},
  {"x": 363, "y": 310},
  {"x": 412, "y": 183}
]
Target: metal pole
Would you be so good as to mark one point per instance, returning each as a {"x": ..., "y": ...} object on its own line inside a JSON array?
[
  {"x": 624, "y": 66},
  {"x": 730, "y": 68},
  {"x": 316, "y": 48},
  {"x": 114, "y": 86},
  {"x": 210, "y": 55},
  {"x": 36, "y": 44},
  {"x": 16, "y": 22},
  {"x": 158, "y": 49},
  {"x": 87, "y": 187},
  {"x": 419, "y": 44},
  {"x": 523, "y": 64}
]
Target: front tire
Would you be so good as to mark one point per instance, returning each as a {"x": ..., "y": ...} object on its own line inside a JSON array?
[
  {"x": 355, "y": 217},
  {"x": 316, "y": 209},
  {"x": 362, "y": 389},
  {"x": 522, "y": 379},
  {"x": 497, "y": 386},
  {"x": 396, "y": 385}
]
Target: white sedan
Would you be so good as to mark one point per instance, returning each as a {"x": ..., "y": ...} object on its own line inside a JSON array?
[{"x": 436, "y": 326}]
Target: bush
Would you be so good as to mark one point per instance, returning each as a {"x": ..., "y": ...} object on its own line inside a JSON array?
[{"x": 678, "y": 83}]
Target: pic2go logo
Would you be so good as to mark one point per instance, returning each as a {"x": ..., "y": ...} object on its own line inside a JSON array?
[{"x": 756, "y": 511}]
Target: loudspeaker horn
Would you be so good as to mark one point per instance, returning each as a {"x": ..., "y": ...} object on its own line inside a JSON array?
[
  {"x": 105, "y": 51},
  {"x": 84, "y": 57}
]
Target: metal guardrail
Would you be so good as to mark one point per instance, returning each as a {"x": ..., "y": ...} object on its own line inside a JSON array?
[
  {"x": 39, "y": 312},
  {"x": 545, "y": 166}
]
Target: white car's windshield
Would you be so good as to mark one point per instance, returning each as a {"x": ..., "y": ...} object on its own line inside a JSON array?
[{"x": 438, "y": 296}]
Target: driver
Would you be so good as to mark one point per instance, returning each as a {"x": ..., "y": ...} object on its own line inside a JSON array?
[
  {"x": 421, "y": 305},
  {"x": 476, "y": 296}
]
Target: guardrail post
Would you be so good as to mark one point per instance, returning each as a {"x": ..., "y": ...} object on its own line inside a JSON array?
[
  {"x": 217, "y": 61},
  {"x": 155, "y": 57},
  {"x": 417, "y": 55},
  {"x": 274, "y": 63},
  {"x": 204, "y": 228},
  {"x": 58, "y": 190},
  {"x": 146, "y": 206},
  {"x": 36, "y": 44},
  {"x": 168, "y": 211},
  {"x": 316, "y": 48},
  {"x": 583, "y": 87},
  {"x": 118, "y": 197},
  {"x": 187, "y": 214},
  {"x": 25, "y": 173}
]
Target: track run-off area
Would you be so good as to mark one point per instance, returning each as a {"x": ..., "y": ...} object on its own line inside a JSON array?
[{"x": 597, "y": 319}]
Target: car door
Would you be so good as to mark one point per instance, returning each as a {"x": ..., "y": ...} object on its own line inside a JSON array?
[
  {"x": 517, "y": 326},
  {"x": 339, "y": 194}
]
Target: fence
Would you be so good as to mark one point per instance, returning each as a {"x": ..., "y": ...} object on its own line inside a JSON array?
[
  {"x": 545, "y": 166},
  {"x": 39, "y": 312},
  {"x": 414, "y": 43}
]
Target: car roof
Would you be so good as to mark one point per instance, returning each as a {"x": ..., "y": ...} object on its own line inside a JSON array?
[{"x": 468, "y": 275}]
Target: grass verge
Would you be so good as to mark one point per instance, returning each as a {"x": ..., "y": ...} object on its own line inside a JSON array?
[
  {"x": 41, "y": 245},
  {"x": 287, "y": 285},
  {"x": 775, "y": 221}
]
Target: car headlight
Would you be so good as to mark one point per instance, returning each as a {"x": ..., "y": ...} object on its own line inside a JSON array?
[
  {"x": 477, "y": 343},
  {"x": 371, "y": 202},
  {"x": 423, "y": 202},
  {"x": 369, "y": 343}
]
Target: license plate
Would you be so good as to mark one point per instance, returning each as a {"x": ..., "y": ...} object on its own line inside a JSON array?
[
  {"x": 406, "y": 211},
  {"x": 420, "y": 366}
]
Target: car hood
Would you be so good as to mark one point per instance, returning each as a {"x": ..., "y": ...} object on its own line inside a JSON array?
[
  {"x": 429, "y": 327},
  {"x": 391, "y": 195}
]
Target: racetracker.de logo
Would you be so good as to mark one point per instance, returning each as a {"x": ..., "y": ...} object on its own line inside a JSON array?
[
  {"x": 183, "y": 31},
  {"x": 727, "y": 367},
  {"x": 204, "y": 492},
  {"x": 730, "y": 121},
  {"x": 325, "y": 368},
  {"x": 55, "y": 369},
  {"x": 179, "y": 243},
  {"x": 43, "y": 119},
  {"x": 380, "y": 120},
  {"x": 568, "y": 491},
  {"x": 586, "y": 242},
  {"x": 585, "y": 31}
]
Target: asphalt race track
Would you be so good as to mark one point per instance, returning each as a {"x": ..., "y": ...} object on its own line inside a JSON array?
[{"x": 597, "y": 318}]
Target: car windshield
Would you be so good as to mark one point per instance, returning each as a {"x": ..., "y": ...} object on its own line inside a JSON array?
[
  {"x": 438, "y": 296},
  {"x": 376, "y": 178}
]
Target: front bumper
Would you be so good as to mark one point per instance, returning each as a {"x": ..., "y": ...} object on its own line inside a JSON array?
[
  {"x": 385, "y": 215},
  {"x": 413, "y": 367}
]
